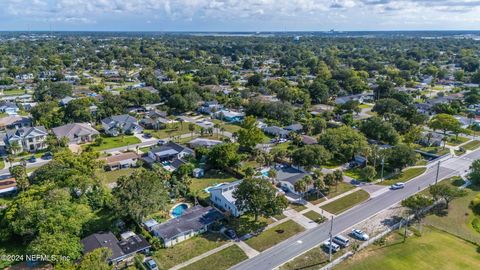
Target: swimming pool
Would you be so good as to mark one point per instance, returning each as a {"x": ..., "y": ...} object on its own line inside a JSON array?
[{"x": 179, "y": 209}]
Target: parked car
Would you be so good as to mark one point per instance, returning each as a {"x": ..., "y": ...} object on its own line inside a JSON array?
[
  {"x": 341, "y": 240},
  {"x": 327, "y": 245},
  {"x": 32, "y": 159},
  {"x": 359, "y": 234},
  {"x": 147, "y": 135},
  {"x": 398, "y": 185},
  {"x": 151, "y": 264},
  {"x": 47, "y": 156},
  {"x": 161, "y": 142},
  {"x": 231, "y": 233}
]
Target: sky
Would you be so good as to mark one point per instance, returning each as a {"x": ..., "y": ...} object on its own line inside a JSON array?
[{"x": 239, "y": 15}]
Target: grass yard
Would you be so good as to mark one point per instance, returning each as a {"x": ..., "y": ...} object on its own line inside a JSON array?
[
  {"x": 341, "y": 188},
  {"x": 436, "y": 150},
  {"x": 456, "y": 141},
  {"x": 172, "y": 130},
  {"x": 433, "y": 250},
  {"x": 354, "y": 173},
  {"x": 113, "y": 142},
  {"x": 298, "y": 207},
  {"x": 313, "y": 259},
  {"x": 314, "y": 216},
  {"x": 184, "y": 251},
  {"x": 108, "y": 177},
  {"x": 404, "y": 176},
  {"x": 14, "y": 92},
  {"x": 211, "y": 178},
  {"x": 471, "y": 145},
  {"x": 2, "y": 164},
  {"x": 275, "y": 235},
  {"x": 458, "y": 220},
  {"x": 332, "y": 164},
  {"x": 346, "y": 202},
  {"x": 246, "y": 224},
  {"x": 224, "y": 259}
]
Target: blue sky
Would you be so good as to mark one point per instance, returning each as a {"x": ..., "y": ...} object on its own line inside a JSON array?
[{"x": 239, "y": 15}]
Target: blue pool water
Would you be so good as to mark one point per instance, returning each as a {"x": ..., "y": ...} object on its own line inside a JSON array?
[{"x": 179, "y": 209}]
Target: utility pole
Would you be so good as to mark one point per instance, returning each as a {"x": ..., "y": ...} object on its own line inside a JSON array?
[
  {"x": 330, "y": 244},
  {"x": 438, "y": 170},
  {"x": 383, "y": 163},
  {"x": 405, "y": 231}
]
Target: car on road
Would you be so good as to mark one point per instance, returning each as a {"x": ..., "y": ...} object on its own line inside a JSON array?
[
  {"x": 231, "y": 233},
  {"x": 32, "y": 159},
  {"x": 147, "y": 135},
  {"x": 47, "y": 156},
  {"x": 398, "y": 185},
  {"x": 341, "y": 240},
  {"x": 327, "y": 245},
  {"x": 151, "y": 264},
  {"x": 359, "y": 234}
]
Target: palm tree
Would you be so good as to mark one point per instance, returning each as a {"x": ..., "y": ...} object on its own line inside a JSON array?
[
  {"x": 300, "y": 186},
  {"x": 338, "y": 178}
]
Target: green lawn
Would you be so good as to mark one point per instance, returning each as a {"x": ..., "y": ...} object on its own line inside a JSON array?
[
  {"x": 2, "y": 164},
  {"x": 456, "y": 141},
  {"x": 14, "y": 92},
  {"x": 404, "y": 176},
  {"x": 114, "y": 142},
  {"x": 246, "y": 224},
  {"x": 184, "y": 251},
  {"x": 354, "y": 173},
  {"x": 211, "y": 178},
  {"x": 332, "y": 192},
  {"x": 298, "y": 207},
  {"x": 346, "y": 202},
  {"x": 431, "y": 251},
  {"x": 224, "y": 259},
  {"x": 458, "y": 220},
  {"x": 314, "y": 216},
  {"x": 108, "y": 177},
  {"x": 172, "y": 130},
  {"x": 471, "y": 145},
  {"x": 436, "y": 150},
  {"x": 275, "y": 235},
  {"x": 313, "y": 259}
]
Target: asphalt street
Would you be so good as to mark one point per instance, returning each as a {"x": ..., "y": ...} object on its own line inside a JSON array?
[{"x": 307, "y": 240}]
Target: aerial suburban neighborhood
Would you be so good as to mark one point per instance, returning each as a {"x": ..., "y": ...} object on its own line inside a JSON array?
[{"x": 228, "y": 150}]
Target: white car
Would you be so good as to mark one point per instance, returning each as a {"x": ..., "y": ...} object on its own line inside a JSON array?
[
  {"x": 327, "y": 244},
  {"x": 398, "y": 185},
  {"x": 359, "y": 234}
]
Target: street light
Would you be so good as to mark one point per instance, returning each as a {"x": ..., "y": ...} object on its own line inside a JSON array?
[
  {"x": 383, "y": 163},
  {"x": 330, "y": 244}
]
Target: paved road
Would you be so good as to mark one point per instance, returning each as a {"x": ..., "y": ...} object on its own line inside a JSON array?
[{"x": 307, "y": 240}]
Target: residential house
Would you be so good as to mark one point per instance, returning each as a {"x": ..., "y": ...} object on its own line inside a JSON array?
[
  {"x": 27, "y": 139},
  {"x": 15, "y": 122},
  {"x": 222, "y": 198},
  {"x": 276, "y": 131},
  {"x": 155, "y": 119},
  {"x": 202, "y": 142},
  {"x": 121, "y": 124},
  {"x": 308, "y": 140},
  {"x": 294, "y": 128},
  {"x": 8, "y": 186},
  {"x": 431, "y": 139},
  {"x": 288, "y": 176},
  {"x": 361, "y": 98},
  {"x": 230, "y": 116},
  {"x": 195, "y": 220},
  {"x": 121, "y": 161},
  {"x": 210, "y": 107},
  {"x": 9, "y": 108},
  {"x": 171, "y": 155},
  {"x": 122, "y": 250},
  {"x": 64, "y": 101},
  {"x": 76, "y": 133}
]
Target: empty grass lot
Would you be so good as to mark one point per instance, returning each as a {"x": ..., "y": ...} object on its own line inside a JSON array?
[
  {"x": 224, "y": 259},
  {"x": 346, "y": 202},
  {"x": 456, "y": 141},
  {"x": 184, "y": 251},
  {"x": 404, "y": 176},
  {"x": 172, "y": 130},
  {"x": 314, "y": 216},
  {"x": 113, "y": 142},
  {"x": 275, "y": 235},
  {"x": 433, "y": 250},
  {"x": 112, "y": 176},
  {"x": 313, "y": 259},
  {"x": 211, "y": 178},
  {"x": 471, "y": 145}
]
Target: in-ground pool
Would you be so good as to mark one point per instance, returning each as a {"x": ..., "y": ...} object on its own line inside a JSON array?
[{"x": 179, "y": 209}]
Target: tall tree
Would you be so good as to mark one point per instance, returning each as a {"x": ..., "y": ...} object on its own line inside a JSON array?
[
  {"x": 258, "y": 197},
  {"x": 250, "y": 134}
]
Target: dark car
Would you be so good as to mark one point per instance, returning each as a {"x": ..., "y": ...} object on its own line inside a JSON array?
[
  {"x": 161, "y": 142},
  {"x": 32, "y": 159},
  {"x": 47, "y": 156},
  {"x": 151, "y": 264},
  {"x": 231, "y": 233},
  {"x": 147, "y": 135}
]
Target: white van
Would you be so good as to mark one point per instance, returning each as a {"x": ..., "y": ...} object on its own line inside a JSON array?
[{"x": 341, "y": 241}]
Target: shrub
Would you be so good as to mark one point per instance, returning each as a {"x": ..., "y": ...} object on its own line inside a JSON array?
[{"x": 475, "y": 204}]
